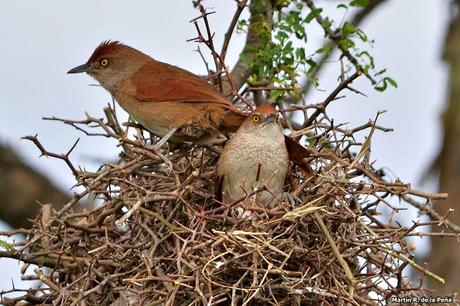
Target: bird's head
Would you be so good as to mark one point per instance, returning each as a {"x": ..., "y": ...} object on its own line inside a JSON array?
[
  {"x": 112, "y": 62},
  {"x": 264, "y": 121}
]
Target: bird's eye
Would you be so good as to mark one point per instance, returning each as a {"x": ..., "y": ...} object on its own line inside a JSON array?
[
  {"x": 104, "y": 62},
  {"x": 255, "y": 118}
]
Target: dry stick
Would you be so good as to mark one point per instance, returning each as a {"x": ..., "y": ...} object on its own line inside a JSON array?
[
  {"x": 321, "y": 107},
  {"x": 403, "y": 188},
  {"x": 413, "y": 264},
  {"x": 270, "y": 266},
  {"x": 432, "y": 213},
  {"x": 217, "y": 57},
  {"x": 404, "y": 258},
  {"x": 209, "y": 41},
  {"x": 46, "y": 280},
  {"x": 44, "y": 152},
  {"x": 228, "y": 35},
  {"x": 365, "y": 148},
  {"x": 335, "y": 249}
]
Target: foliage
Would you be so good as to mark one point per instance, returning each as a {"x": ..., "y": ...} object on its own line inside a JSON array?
[{"x": 284, "y": 56}]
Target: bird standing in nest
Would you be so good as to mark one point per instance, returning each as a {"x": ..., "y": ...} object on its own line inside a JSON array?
[
  {"x": 170, "y": 102},
  {"x": 254, "y": 157}
]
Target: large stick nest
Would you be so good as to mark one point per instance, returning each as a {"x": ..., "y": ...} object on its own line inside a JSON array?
[{"x": 158, "y": 237}]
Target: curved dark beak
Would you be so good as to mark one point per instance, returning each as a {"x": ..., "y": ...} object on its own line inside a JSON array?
[
  {"x": 82, "y": 68},
  {"x": 271, "y": 118}
]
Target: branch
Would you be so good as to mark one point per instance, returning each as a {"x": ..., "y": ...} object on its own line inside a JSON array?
[
  {"x": 431, "y": 213},
  {"x": 260, "y": 20},
  {"x": 228, "y": 35},
  {"x": 64, "y": 157},
  {"x": 332, "y": 35},
  {"x": 357, "y": 19},
  {"x": 321, "y": 107}
]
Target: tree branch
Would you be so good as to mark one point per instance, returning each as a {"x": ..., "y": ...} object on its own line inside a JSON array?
[
  {"x": 228, "y": 35},
  {"x": 260, "y": 25},
  {"x": 332, "y": 35},
  {"x": 357, "y": 19}
]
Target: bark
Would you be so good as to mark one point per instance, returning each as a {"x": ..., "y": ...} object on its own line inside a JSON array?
[
  {"x": 445, "y": 253},
  {"x": 20, "y": 189},
  {"x": 259, "y": 35}
]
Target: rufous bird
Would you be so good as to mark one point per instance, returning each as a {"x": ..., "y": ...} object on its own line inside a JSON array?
[
  {"x": 168, "y": 101},
  {"x": 255, "y": 156}
]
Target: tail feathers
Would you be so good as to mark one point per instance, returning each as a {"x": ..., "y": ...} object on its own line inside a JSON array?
[{"x": 298, "y": 154}]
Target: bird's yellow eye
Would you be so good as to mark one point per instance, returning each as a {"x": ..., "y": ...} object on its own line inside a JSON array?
[
  {"x": 104, "y": 62},
  {"x": 256, "y": 118}
]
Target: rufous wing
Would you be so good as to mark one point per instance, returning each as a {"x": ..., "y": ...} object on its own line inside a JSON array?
[
  {"x": 298, "y": 154},
  {"x": 160, "y": 82}
]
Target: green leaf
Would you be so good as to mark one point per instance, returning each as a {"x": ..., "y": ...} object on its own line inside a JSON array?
[
  {"x": 300, "y": 53},
  {"x": 245, "y": 58},
  {"x": 347, "y": 43},
  {"x": 5, "y": 245},
  {"x": 380, "y": 72},
  {"x": 348, "y": 29},
  {"x": 281, "y": 36},
  {"x": 327, "y": 22},
  {"x": 370, "y": 57},
  {"x": 392, "y": 82},
  {"x": 313, "y": 15},
  {"x": 314, "y": 81},
  {"x": 359, "y": 3},
  {"x": 385, "y": 82},
  {"x": 361, "y": 35},
  {"x": 341, "y": 5}
]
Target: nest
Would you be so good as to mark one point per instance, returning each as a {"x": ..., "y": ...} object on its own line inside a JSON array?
[{"x": 158, "y": 237}]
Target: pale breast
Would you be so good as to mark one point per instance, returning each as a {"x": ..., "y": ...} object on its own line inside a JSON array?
[{"x": 240, "y": 162}]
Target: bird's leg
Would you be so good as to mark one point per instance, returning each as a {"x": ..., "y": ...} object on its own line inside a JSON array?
[
  {"x": 164, "y": 139},
  {"x": 257, "y": 185},
  {"x": 290, "y": 199}
]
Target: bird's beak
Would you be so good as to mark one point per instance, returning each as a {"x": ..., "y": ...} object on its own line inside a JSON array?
[
  {"x": 271, "y": 118},
  {"x": 82, "y": 68}
]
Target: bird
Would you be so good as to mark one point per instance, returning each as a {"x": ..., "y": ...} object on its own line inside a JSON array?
[
  {"x": 172, "y": 103},
  {"x": 254, "y": 157}
]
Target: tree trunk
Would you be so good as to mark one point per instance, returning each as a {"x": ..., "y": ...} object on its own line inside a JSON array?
[
  {"x": 20, "y": 189},
  {"x": 445, "y": 253}
]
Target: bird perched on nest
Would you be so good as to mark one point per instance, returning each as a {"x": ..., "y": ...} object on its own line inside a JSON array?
[
  {"x": 167, "y": 100},
  {"x": 255, "y": 156}
]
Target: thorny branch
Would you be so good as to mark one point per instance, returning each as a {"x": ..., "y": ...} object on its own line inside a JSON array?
[
  {"x": 356, "y": 20},
  {"x": 335, "y": 37}
]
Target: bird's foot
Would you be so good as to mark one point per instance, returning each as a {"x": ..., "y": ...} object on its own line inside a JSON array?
[
  {"x": 291, "y": 199},
  {"x": 164, "y": 139},
  {"x": 242, "y": 213}
]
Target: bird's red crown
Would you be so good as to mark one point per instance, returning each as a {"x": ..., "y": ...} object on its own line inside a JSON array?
[{"x": 106, "y": 47}]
